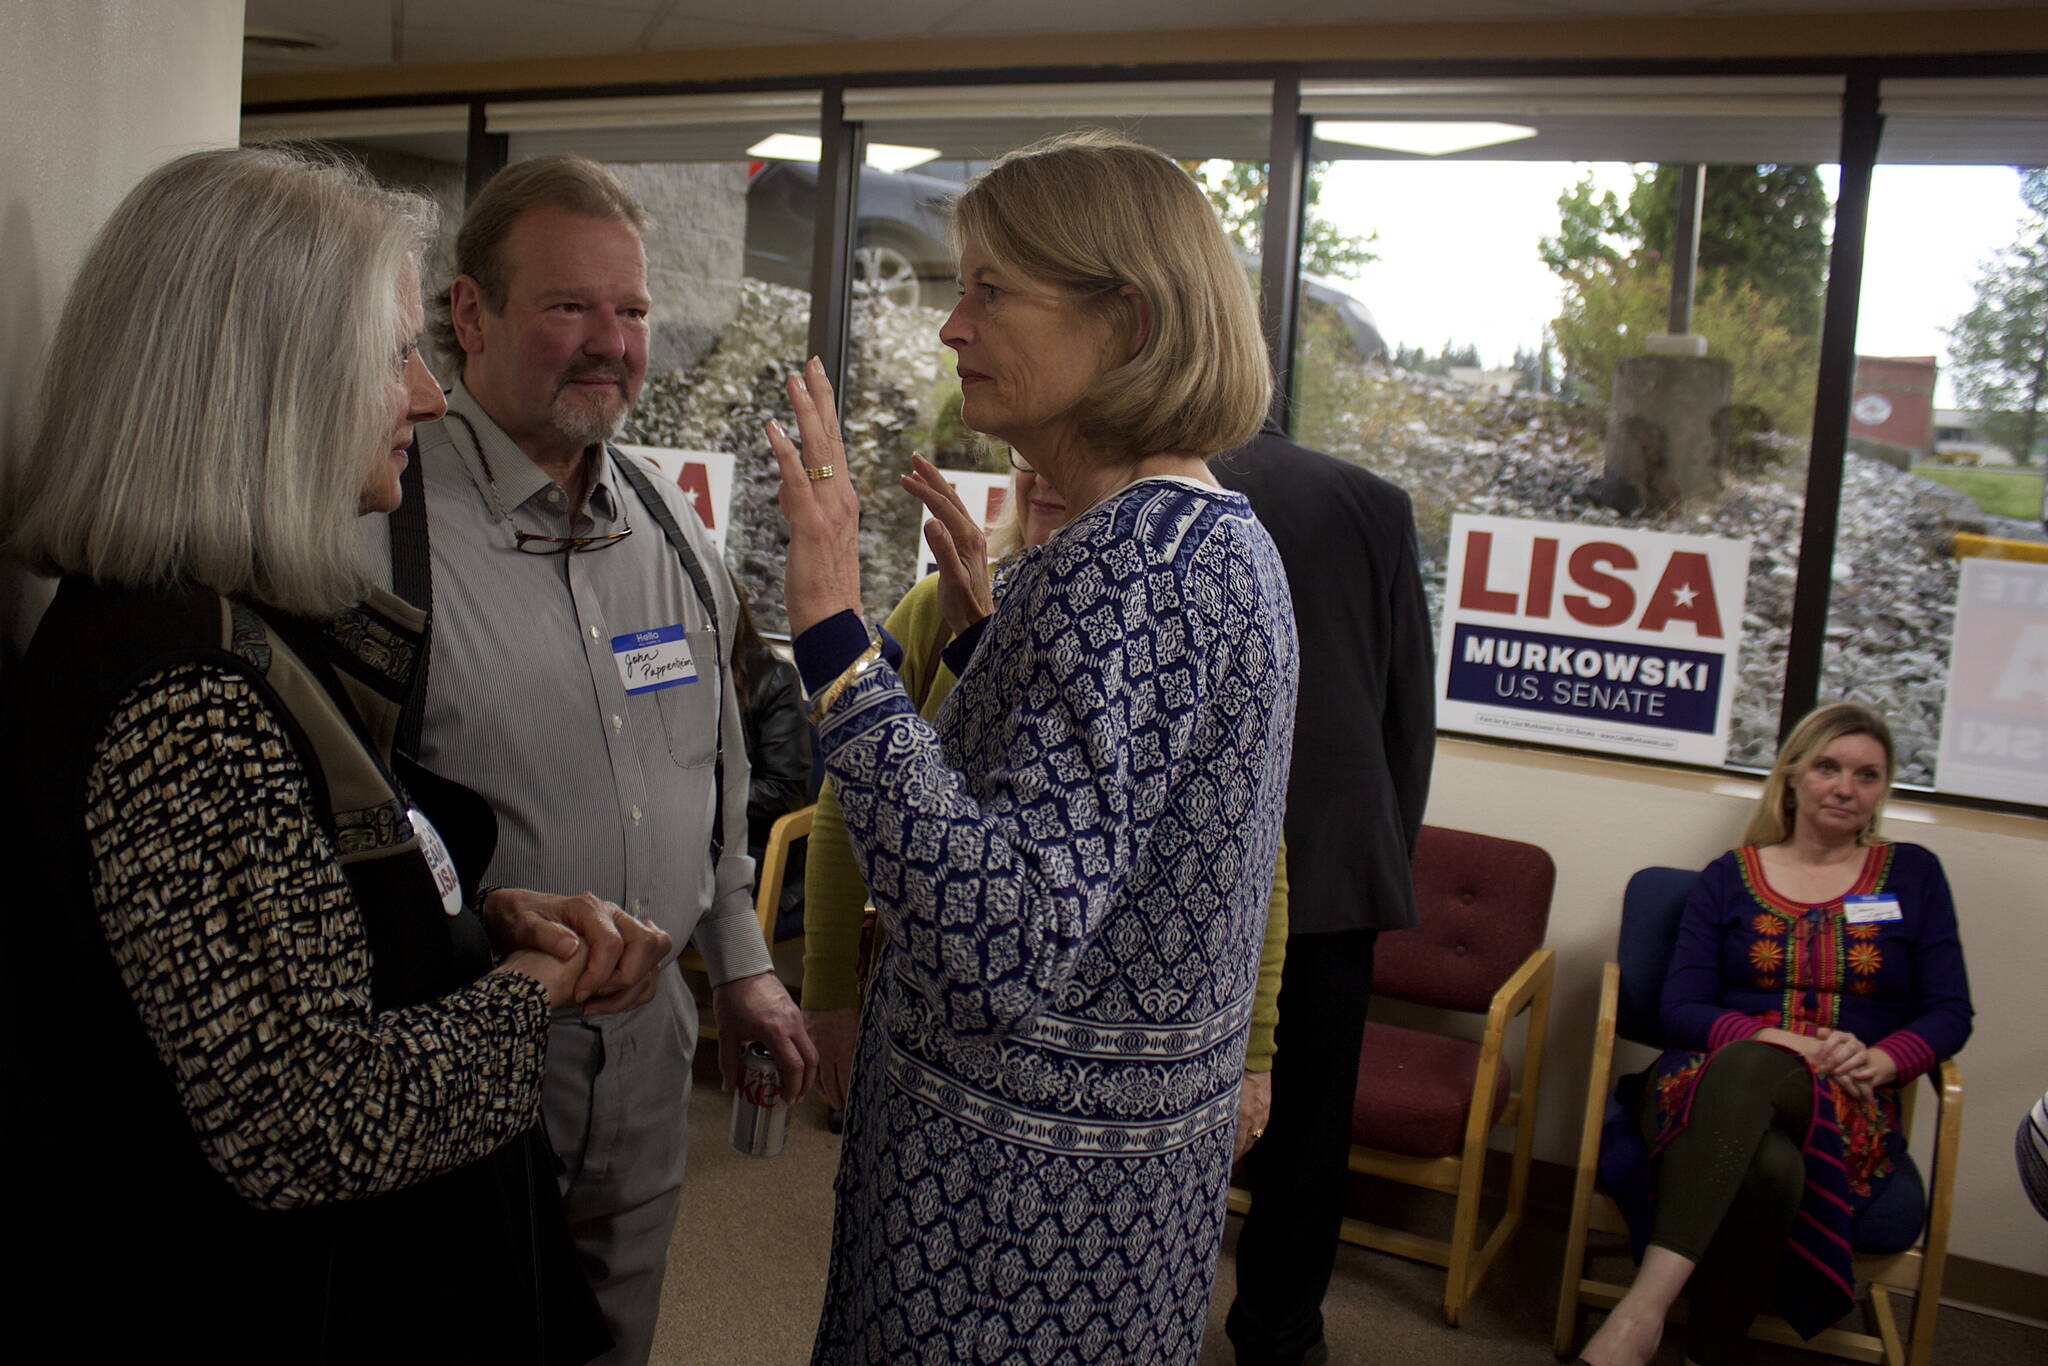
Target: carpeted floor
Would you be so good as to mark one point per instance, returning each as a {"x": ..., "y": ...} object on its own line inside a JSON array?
[{"x": 747, "y": 1273}]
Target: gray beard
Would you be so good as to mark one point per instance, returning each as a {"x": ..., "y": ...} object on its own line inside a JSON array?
[{"x": 584, "y": 425}]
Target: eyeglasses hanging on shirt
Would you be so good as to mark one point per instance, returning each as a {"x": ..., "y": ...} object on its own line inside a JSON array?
[{"x": 534, "y": 542}]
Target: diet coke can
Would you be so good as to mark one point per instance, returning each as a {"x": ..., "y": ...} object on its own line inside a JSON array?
[{"x": 760, "y": 1116}]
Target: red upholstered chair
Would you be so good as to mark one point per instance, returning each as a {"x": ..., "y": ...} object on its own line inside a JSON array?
[{"x": 1427, "y": 1102}]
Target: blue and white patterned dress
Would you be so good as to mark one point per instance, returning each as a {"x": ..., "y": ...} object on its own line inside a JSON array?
[{"x": 1072, "y": 868}]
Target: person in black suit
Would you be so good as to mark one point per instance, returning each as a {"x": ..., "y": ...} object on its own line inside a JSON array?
[{"x": 1365, "y": 734}]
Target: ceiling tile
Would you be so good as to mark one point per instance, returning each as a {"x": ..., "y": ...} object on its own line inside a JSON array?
[
  {"x": 1093, "y": 16},
  {"x": 360, "y": 33},
  {"x": 680, "y": 33},
  {"x": 492, "y": 30},
  {"x": 869, "y": 19},
  {"x": 1436, "y": 11},
  {"x": 529, "y": 16}
]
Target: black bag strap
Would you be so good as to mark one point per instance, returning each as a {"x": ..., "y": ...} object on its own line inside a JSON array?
[
  {"x": 657, "y": 508},
  {"x": 412, "y": 578}
]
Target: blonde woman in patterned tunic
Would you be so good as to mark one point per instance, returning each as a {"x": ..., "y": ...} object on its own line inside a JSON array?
[
  {"x": 278, "y": 1103},
  {"x": 1071, "y": 862}
]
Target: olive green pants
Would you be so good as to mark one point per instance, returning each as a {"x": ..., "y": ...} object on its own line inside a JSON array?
[{"x": 1728, "y": 1187}]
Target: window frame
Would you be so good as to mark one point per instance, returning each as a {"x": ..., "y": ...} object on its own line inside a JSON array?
[{"x": 1861, "y": 130}]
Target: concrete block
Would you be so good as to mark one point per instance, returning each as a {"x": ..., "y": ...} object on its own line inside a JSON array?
[{"x": 1667, "y": 432}]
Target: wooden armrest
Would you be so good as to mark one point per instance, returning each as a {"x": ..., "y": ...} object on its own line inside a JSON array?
[
  {"x": 1600, "y": 1076},
  {"x": 1518, "y": 991},
  {"x": 786, "y": 831}
]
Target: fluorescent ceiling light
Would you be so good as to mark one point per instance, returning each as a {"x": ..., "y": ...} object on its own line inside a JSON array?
[
  {"x": 887, "y": 156},
  {"x": 883, "y": 156},
  {"x": 1423, "y": 139}
]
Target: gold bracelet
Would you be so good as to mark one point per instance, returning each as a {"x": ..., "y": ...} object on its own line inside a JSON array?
[{"x": 830, "y": 694}]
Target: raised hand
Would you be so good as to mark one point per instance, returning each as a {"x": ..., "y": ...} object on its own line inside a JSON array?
[
  {"x": 822, "y": 576},
  {"x": 958, "y": 543}
]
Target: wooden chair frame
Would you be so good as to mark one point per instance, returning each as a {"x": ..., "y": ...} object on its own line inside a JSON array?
[
  {"x": 768, "y": 893},
  {"x": 1918, "y": 1269},
  {"x": 1463, "y": 1176}
]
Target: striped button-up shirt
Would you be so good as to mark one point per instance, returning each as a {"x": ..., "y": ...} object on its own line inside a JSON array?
[{"x": 599, "y": 783}]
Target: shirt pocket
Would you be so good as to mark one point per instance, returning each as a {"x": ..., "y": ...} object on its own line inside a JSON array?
[{"x": 689, "y": 719}]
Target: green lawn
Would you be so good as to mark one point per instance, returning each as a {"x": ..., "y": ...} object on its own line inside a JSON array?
[{"x": 2002, "y": 493}]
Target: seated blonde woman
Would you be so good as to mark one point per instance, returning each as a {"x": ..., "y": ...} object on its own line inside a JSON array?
[{"x": 1817, "y": 970}]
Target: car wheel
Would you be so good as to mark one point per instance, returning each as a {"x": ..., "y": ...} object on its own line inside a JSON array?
[{"x": 884, "y": 272}]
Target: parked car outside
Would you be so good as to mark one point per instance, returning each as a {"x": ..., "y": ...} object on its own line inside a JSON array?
[
  {"x": 901, "y": 255},
  {"x": 900, "y": 251}
]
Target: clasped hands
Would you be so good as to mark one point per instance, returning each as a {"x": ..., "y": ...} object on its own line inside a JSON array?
[
  {"x": 1839, "y": 1056},
  {"x": 584, "y": 950},
  {"x": 588, "y": 952}
]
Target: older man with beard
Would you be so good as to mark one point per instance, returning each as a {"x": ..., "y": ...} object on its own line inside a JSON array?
[{"x": 579, "y": 678}]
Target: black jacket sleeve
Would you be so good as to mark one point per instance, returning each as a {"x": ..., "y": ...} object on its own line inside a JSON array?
[{"x": 778, "y": 748}]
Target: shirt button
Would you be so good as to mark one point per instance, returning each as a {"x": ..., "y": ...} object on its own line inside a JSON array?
[
  {"x": 618, "y": 722},
  {"x": 555, "y": 497},
  {"x": 635, "y": 814},
  {"x": 593, "y": 633}
]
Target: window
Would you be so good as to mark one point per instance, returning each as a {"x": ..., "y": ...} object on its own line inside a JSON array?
[
  {"x": 1488, "y": 265},
  {"x": 1522, "y": 250},
  {"x": 1947, "y": 438}
]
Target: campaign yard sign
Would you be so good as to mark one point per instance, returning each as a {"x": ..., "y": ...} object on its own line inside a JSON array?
[
  {"x": 705, "y": 478},
  {"x": 1594, "y": 637},
  {"x": 1994, "y": 718},
  {"x": 984, "y": 495}
]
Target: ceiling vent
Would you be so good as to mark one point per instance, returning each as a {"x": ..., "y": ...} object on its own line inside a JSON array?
[{"x": 279, "y": 40}]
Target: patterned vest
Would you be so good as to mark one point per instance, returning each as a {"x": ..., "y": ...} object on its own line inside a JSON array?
[{"x": 469, "y": 1265}]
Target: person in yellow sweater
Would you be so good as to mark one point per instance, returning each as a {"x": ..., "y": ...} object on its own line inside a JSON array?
[{"x": 835, "y": 897}]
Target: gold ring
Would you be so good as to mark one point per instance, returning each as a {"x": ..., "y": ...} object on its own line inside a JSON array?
[{"x": 815, "y": 472}]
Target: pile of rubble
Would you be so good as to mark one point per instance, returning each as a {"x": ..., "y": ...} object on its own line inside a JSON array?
[
  {"x": 898, "y": 374},
  {"x": 1457, "y": 449}
]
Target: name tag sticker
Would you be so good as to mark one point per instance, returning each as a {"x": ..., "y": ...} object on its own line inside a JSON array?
[
  {"x": 655, "y": 659},
  {"x": 1866, "y": 910},
  {"x": 439, "y": 862}
]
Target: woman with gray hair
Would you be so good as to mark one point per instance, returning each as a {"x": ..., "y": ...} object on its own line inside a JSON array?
[
  {"x": 1071, "y": 861},
  {"x": 294, "y": 1113}
]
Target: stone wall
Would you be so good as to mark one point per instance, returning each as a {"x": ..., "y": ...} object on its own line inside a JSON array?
[{"x": 696, "y": 253}]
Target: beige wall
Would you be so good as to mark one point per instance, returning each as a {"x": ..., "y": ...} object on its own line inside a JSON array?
[
  {"x": 1602, "y": 820},
  {"x": 94, "y": 92}
]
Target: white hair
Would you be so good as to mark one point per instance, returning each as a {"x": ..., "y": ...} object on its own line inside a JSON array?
[{"x": 223, "y": 370}]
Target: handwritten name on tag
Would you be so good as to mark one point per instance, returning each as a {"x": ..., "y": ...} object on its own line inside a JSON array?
[
  {"x": 654, "y": 659},
  {"x": 1867, "y": 910}
]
